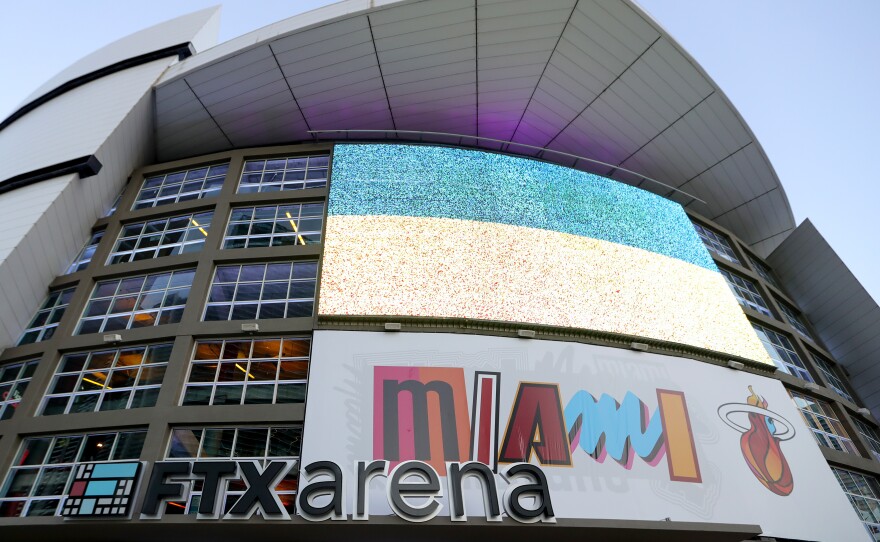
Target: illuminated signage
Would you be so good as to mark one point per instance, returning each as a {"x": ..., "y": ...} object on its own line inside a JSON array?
[{"x": 426, "y": 231}]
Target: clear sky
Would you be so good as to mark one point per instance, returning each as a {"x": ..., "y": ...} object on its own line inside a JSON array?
[{"x": 803, "y": 73}]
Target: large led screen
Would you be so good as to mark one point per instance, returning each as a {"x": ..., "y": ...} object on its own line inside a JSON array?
[{"x": 443, "y": 232}]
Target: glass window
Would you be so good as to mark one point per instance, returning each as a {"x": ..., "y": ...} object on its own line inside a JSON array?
[
  {"x": 870, "y": 435},
  {"x": 259, "y": 291},
  {"x": 294, "y": 173},
  {"x": 161, "y": 237},
  {"x": 85, "y": 255},
  {"x": 248, "y": 371},
  {"x": 863, "y": 493},
  {"x": 717, "y": 243},
  {"x": 141, "y": 301},
  {"x": 38, "y": 478},
  {"x": 115, "y": 205},
  {"x": 14, "y": 380},
  {"x": 45, "y": 322},
  {"x": 825, "y": 425},
  {"x": 828, "y": 370},
  {"x": 273, "y": 226},
  {"x": 196, "y": 183},
  {"x": 107, "y": 380},
  {"x": 763, "y": 271},
  {"x": 255, "y": 443},
  {"x": 746, "y": 292},
  {"x": 794, "y": 319},
  {"x": 782, "y": 352}
]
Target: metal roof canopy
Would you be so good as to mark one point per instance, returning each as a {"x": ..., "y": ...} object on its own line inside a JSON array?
[{"x": 593, "y": 78}]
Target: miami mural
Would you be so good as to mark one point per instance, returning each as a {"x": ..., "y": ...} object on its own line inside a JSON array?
[
  {"x": 421, "y": 413},
  {"x": 452, "y": 233}
]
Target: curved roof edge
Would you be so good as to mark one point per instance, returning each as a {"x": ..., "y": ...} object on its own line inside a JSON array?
[{"x": 181, "y": 37}]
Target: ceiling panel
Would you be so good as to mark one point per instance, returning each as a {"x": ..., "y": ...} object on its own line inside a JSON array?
[{"x": 594, "y": 78}]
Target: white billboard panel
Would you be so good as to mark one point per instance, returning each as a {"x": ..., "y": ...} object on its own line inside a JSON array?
[{"x": 618, "y": 434}]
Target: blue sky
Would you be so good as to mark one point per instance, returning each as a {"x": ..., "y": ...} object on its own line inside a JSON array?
[{"x": 803, "y": 73}]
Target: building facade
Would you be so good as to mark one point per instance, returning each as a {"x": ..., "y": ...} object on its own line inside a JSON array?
[{"x": 421, "y": 269}]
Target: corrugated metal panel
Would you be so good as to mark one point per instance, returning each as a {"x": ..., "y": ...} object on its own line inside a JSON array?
[{"x": 844, "y": 315}]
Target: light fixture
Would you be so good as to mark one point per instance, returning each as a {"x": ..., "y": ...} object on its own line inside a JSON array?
[
  {"x": 526, "y": 333},
  {"x": 112, "y": 338},
  {"x": 250, "y": 328},
  {"x": 736, "y": 365},
  {"x": 640, "y": 347},
  {"x": 392, "y": 326},
  {"x": 295, "y": 229}
]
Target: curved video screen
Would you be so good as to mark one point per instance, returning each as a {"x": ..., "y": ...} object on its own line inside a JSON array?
[{"x": 441, "y": 232}]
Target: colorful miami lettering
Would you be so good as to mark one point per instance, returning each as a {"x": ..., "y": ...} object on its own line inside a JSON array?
[{"x": 421, "y": 413}]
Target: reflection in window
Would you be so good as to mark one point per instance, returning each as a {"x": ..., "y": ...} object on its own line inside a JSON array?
[
  {"x": 745, "y": 292},
  {"x": 832, "y": 378},
  {"x": 782, "y": 352},
  {"x": 85, "y": 255},
  {"x": 295, "y": 173},
  {"x": 14, "y": 380},
  {"x": 869, "y": 434},
  {"x": 45, "y": 322},
  {"x": 794, "y": 319},
  {"x": 264, "y": 371},
  {"x": 162, "y": 237},
  {"x": 133, "y": 302},
  {"x": 825, "y": 425},
  {"x": 717, "y": 243},
  {"x": 255, "y": 443},
  {"x": 275, "y": 290},
  {"x": 39, "y": 476},
  {"x": 763, "y": 271},
  {"x": 185, "y": 185},
  {"x": 863, "y": 493},
  {"x": 107, "y": 380},
  {"x": 298, "y": 224}
]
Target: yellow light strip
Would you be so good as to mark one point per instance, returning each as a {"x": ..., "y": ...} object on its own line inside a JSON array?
[
  {"x": 96, "y": 383},
  {"x": 196, "y": 224},
  {"x": 295, "y": 229},
  {"x": 240, "y": 368}
]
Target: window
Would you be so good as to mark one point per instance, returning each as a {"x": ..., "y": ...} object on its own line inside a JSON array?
[
  {"x": 294, "y": 173},
  {"x": 233, "y": 372},
  {"x": 107, "y": 380},
  {"x": 782, "y": 353},
  {"x": 794, "y": 319},
  {"x": 717, "y": 243},
  {"x": 870, "y": 435},
  {"x": 274, "y": 226},
  {"x": 863, "y": 493},
  {"x": 746, "y": 292},
  {"x": 39, "y": 476},
  {"x": 142, "y": 301},
  {"x": 763, "y": 271},
  {"x": 275, "y": 290},
  {"x": 14, "y": 379},
  {"x": 115, "y": 205},
  {"x": 45, "y": 322},
  {"x": 825, "y": 425},
  {"x": 256, "y": 443},
  {"x": 831, "y": 376},
  {"x": 163, "y": 237},
  {"x": 85, "y": 255},
  {"x": 185, "y": 185}
]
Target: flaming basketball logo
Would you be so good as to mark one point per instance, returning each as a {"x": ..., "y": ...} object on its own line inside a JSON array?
[{"x": 760, "y": 441}]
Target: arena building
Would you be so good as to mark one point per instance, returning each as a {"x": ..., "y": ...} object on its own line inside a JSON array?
[{"x": 419, "y": 269}]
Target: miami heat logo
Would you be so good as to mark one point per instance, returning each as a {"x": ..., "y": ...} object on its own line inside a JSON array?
[{"x": 760, "y": 441}]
